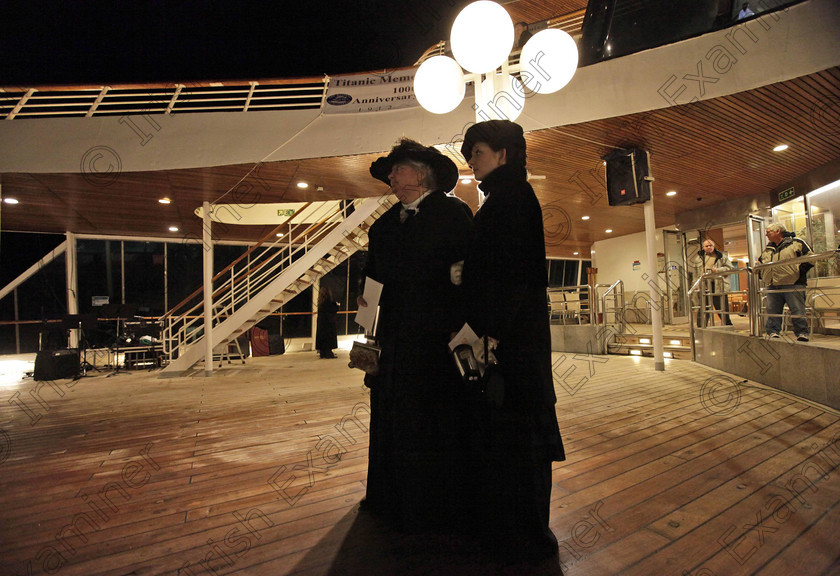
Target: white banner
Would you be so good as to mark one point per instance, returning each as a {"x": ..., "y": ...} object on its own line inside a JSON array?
[{"x": 371, "y": 92}]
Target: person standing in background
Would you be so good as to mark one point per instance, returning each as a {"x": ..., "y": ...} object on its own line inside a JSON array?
[{"x": 326, "y": 336}]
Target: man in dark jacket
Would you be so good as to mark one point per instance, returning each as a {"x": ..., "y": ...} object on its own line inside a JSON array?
[
  {"x": 785, "y": 284},
  {"x": 416, "y": 398}
]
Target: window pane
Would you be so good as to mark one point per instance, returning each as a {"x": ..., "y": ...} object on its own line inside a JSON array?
[{"x": 570, "y": 277}]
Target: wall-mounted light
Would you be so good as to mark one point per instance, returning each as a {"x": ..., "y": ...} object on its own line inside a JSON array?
[{"x": 481, "y": 41}]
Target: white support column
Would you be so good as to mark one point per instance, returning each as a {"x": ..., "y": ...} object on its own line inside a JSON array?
[
  {"x": 653, "y": 282},
  {"x": 207, "y": 247},
  {"x": 71, "y": 271}
]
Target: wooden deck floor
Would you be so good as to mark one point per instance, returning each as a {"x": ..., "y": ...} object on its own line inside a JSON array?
[{"x": 260, "y": 468}]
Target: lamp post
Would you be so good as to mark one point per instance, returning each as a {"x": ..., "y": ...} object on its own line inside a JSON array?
[{"x": 481, "y": 41}]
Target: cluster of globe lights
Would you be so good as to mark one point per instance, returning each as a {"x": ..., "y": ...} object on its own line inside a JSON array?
[{"x": 481, "y": 41}]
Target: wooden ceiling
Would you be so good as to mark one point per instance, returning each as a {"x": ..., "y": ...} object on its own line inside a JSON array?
[
  {"x": 708, "y": 152},
  {"x": 538, "y": 10}
]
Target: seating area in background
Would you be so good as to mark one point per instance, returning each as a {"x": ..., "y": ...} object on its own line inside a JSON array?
[{"x": 568, "y": 306}]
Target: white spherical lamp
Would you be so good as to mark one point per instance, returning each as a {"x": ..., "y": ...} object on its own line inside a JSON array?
[
  {"x": 548, "y": 61},
  {"x": 439, "y": 84},
  {"x": 505, "y": 102},
  {"x": 482, "y": 36}
]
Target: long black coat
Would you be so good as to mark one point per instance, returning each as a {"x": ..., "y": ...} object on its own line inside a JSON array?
[
  {"x": 505, "y": 278},
  {"x": 416, "y": 400},
  {"x": 326, "y": 333}
]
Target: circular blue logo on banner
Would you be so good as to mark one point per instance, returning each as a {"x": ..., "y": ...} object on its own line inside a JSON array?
[{"x": 339, "y": 99}]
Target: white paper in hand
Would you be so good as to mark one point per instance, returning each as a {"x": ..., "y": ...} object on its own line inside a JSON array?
[{"x": 366, "y": 315}]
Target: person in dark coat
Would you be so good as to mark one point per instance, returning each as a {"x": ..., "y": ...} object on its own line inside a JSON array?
[
  {"x": 416, "y": 398},
  {"x": 326, "y": 335},
  {"x": 505, "y": 280}
]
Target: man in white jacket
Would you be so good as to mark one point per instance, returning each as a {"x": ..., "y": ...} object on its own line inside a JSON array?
[
  {"x": 785, "y": 284},
  {"x": 716, "y": 261}
]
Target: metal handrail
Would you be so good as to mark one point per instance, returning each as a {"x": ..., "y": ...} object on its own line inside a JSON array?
[
  {"x": 141, "y": 99},
  {"x": 703, "y": 281},
  {"x": 603, "y": 311},
  {"x": 754, "y": 280},
  {"x": 616, "y": 294},
  {"x": 236, "y": 285}
]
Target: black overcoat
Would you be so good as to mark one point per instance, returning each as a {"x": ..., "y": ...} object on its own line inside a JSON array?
[
  {"x": 417, "y": 398},
  {"x": 505, "y": 279},
  {"x": 326, "y": 333}
]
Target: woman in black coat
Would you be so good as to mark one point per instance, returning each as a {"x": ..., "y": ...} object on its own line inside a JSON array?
[
  {"x": 505, "y": 281},
  {"x": 326, "y": 336},
  {"x": 417, "y": 403}
]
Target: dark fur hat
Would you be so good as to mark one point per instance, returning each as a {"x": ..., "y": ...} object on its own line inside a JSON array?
[
  {"x": 497, "y": 134},
  {"x": 444, "y": 169}
]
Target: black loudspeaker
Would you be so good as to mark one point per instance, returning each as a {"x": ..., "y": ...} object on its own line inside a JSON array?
[
  {"x": 628, "y": 177},
  {"x": 56, "y": 364}
]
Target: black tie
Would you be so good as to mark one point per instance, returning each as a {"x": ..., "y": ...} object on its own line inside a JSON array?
[{"x": 409, "y": 212}]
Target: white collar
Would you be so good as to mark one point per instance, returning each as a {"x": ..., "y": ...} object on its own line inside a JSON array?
[{"x": 416, "y": 203}]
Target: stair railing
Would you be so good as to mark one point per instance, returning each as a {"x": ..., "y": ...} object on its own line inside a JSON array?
[{"x": 249, "y": 273}]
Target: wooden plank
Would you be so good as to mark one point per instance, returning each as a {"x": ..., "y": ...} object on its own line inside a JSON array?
[{"x": 652, "y": 477}]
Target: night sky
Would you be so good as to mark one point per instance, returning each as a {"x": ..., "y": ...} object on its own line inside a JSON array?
[{"x": 98, "y": 42}]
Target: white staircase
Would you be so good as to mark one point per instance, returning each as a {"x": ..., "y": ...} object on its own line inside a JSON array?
[{"x": 319, "y": 237}]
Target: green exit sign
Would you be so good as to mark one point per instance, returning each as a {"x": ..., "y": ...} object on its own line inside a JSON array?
[
  {"x": 286, "y": 212},
  {"x": 785, "y": 194}
]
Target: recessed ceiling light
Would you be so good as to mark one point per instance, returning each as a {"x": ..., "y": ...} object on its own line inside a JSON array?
[
  {"x": 608, "y": 230},
  {"x": 584, "y": 217},
  {"x": 279, "y": 234},
  {"x": 671, "y": 193},
  {"x": 575, "y": 253},
  {"x": 173, "y": 228},
  {"x": 10, "y": 200},
  {"x": 164, "y": 200},
  {"x": 466, "y": 180},
  {"x": 780, "y": 147},
  {"x": 302, "y": 185}
]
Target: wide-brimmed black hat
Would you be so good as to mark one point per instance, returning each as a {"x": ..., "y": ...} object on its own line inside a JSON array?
[
  {"x": 444, "y": 169},
  {"x": 498, "y": 134}
]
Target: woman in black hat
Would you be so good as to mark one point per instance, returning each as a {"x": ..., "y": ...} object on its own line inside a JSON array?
[
  {"x": 416, "y": 398},
  {"x": 505, "y": 280}
]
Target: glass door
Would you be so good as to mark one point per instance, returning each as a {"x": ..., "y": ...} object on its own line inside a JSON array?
[
  {"x": 675, "y": 277},
  {"x": 755, "y": 238}
]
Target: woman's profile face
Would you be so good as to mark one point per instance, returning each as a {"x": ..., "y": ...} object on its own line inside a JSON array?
[{"x": 484, "y": 159}]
